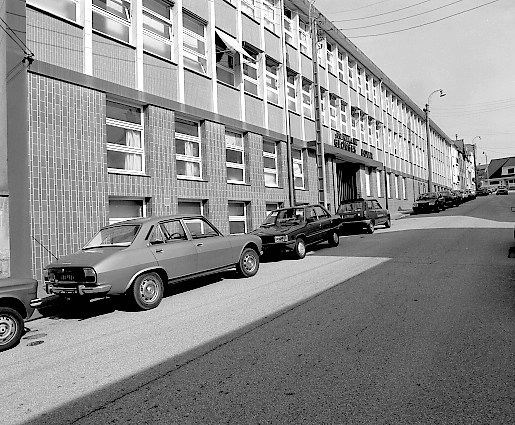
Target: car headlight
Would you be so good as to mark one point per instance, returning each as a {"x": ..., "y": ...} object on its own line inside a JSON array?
[
  {"x": 431, "y": 203},
  {"x": 90, "y": 276},
  {"x": 282, "y": 238}
]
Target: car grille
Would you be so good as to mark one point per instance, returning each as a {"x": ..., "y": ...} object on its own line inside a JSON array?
[{"x": 67, "y": 275}]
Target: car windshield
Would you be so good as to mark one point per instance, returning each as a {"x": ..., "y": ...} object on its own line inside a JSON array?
[
  {"x": 114, "y": 236},
  {"x": 350, "y": 207},
  {"x": 431, "y": 195},
  {"x": 284, "y": 217}
]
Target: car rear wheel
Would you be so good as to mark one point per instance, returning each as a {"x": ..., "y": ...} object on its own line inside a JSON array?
[
  {"x": 249, "y": 263},
  {"x": 147, "y": 291},
  {"x": 300, "y": 248},
  {"x": 334, "y": 239},
  {"x": 371, "y": 227},
  {"x": 11, "y": 328}
]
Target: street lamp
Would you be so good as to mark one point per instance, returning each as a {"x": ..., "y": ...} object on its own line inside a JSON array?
[
  {"x": 475, "y": 165},
  {"x": 486, "y": 160},
  {"x": 428, "y": 140}
]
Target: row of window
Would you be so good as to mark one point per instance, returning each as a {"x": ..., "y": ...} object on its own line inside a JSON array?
[
  {"x": 238, "y": 212},
  {"x": 126, "y": 152}
]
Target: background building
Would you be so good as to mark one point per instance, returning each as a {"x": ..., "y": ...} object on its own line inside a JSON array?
[
  {"x": 500, "y": 172},
  {"x": 229, "y": 108}
]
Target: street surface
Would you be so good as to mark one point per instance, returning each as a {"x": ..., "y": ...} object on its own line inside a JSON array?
[{"x": 413, "y": 324}]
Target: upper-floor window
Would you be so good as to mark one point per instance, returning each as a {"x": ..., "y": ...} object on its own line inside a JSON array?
[
  {"x": 270, "y": 14},
  {"x": 375, "y": 94},
  {"x": 323, "y": 106},
  {"x": 194, "y": 44},
  {"x": 292, "y": 91},
  {"x": 188, "y": 157},
  {"x": 304, "y": 38},
  {"x": 272, "y": 81},
  {"x": 157, "y": 27},
  {"x": 367, "y": 87},
  {"x": 124, "y": 130},
  {"x": 235, "y": 157},
  {"x": 248, "y": 7},
  {"x": 333, "y": 115},
  {"x": 354, "y": 126},
  {"x": 237, "y": 217},
  {"x": 270, "y": 167},
  {"x": 343, "y": 117},
  {"x": 330, "y": 58},
  {"x": 250, "y": 71},
  {"x": 298, "y": 168},
  {"x": 288, "y": 26},
  {"x": 360, "y": 80},
  {"x": 341, "y": 66},
  {"x": 113, "y": 17},
  {"x": 351, "y": 75},
  {"x": 224, "y": 62},
  {"x": 307, "y": 102},
  {"x": 67, "y": 9}
]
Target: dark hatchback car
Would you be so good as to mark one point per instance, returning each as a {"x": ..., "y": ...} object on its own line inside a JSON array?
[
  {"x": 450, "y": 198},
  {"x": 429, "y": 202},
  {"x": 296, "y": 228},
  {"x": 15, "y": 307},
  {"x": 364, "y": 213}
]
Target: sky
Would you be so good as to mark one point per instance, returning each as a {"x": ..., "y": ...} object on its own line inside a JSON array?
[{"x": 470, "y": 56}]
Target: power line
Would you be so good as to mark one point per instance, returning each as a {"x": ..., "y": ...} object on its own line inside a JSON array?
[
  {"x": 382, "y": 14},
  {"x": 362, "y": 7},
  {"x": 425, "y": 24},
  {"x": 402, "y": 19}
]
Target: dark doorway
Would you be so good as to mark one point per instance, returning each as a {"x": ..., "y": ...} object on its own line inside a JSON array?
[{"x": 346, "y": 181}]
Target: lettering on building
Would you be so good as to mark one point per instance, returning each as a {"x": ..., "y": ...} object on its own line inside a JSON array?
[
  {"x": 366, "y": 154},
  {"x": 344, "y": 142}
]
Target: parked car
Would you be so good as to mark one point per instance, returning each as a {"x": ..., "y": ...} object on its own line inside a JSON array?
[
  {"x": 450, "y": 198},
  {"x": 470, "y": 194},
  {"x": 427, "y": 202},
  {"x": 501, "y": 190},
  {"x": 482, "y": 191},
  {"x": 294, "y": 229},
  {"x": 137, "y": 257},
  {"x": 364, "y": 213},
  {"x": 15, "y": 307}
]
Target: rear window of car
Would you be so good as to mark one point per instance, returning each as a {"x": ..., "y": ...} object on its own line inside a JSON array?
[{"x": 350, "y": 207}]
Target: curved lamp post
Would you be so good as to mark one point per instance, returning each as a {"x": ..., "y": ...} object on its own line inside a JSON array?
[
  {"x": 475, "y": 165},
  {"x": 428, "y": 140}
]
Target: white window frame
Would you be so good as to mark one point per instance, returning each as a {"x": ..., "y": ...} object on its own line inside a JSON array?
[
  {"x": 298, "y": 169},
  {"x": 330, "y": 57},
  {"x": 126, "y": 5},
  {"x": 275, "y": 77},
  {"x": 351, "y": 74},
  {"x": 253, "y": 64},
  {"x": 167, "y": 21},
  {"x": 52, "y": 6},
  {"x": 270, "y": 171},
  {"x": 291, "y": 89},
  {"x": 343, "y": 117},
  {"x": 190, "y": 158},
  {"x": 240, "y": 148},
  {"x": 341, "y": 66},
  {"x": 133, "y": 150},
  {"x": 238, "y": 218},
  {"x": 249, "y": 7},
  {"x": 307, "y": 98},
  {"x": 200, "y": 58},
  {"x": 220, "y": 66},
  {"x": 304, "y": 38},
  {"x": 289, "y": 26},
  {"x": 333, "y": 113},
  {"x": 270, "y": 14}
]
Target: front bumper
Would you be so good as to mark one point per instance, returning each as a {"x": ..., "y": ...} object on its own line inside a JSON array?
[
  {"x": 278, "y": 246},
  {"x": 77, "y": 289}
]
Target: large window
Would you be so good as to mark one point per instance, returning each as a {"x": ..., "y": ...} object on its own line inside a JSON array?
[
  {"x": 224, "y": 62},
  {"x": 304, "y": 38},
  {"x": 343, "y": 117},
  {"x": 359, "y": 73},
  {"x": 194, "y": 44},
  {"x": 272, "y": 81},
  {"x": 270, "y": 163},
  {"x": 188, "y": 149},
  {"x": 291, "y": 83},
  {"x": 288, "y": 26},
  {"x": 250, "y": 71},
  {"x": 341, "y": 66},
  {"x": 330, "y": 58},
  {"x": 323, "y": 106},
  {"x": 124, "y": 128},
  {"x": 248, "y": 7},
  {"x": 333, "y": 114},
  {"x": 125, "y": 209},
  {"x": 235, "y": 157},
  {"x": 237, "y": 218},
  {"x": 113, "y": 17},
  {"x": 157, "y": 27},
  {"x": 64, "y": 8},
  {"x": 351, "y": 75},
  {"x": 270, "y": 14},
  {"x": 307, "y": 98},
  {"x": 298, "y": 168}
]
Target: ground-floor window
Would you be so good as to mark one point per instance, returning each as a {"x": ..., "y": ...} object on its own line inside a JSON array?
[
  {"x": 298, "y": 168},
  {"x": 237, "y": 217},
  {"x": 126, "y": 209},
  {"x": 396, "y": 182},
  {"x": 271, "y": 206},
  {"x": 404, "y": 188},
  {"x": 191, "y": 206},
  {"x": 367, "y": 182},
  {"x": 378, "y": 178},
  {"x": 388, "y": 192}
]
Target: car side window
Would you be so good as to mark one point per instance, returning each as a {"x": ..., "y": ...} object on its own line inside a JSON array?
[
  {"x": 157, "y": 235},
  {"x": 320, "y": 212},
  {"x": 173, "y": 231},
  {"x": 199, "y": 228},
  {"x": 370, "y": 205},
  {"x": 311, "y": 214},
  {"x": 377, "y": 205}
]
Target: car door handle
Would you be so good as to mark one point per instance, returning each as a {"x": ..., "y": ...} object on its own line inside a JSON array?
[
  {"x": 200, "y": 244},
  {"x": 159, "y": 250}
]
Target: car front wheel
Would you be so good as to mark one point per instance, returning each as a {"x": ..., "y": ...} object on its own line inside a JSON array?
[
  {"x": 300, "y": 249},
  {"x": 11, "y": 328},
  {"x": 147, "y": 291},
  {"x": 371, "y": 227},
  {"x": 333, "y": 239},
  {"x": 249, "y": 263}
]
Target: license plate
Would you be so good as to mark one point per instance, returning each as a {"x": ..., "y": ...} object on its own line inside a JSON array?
[
  {"x": 67, "y": 278},
  {"x": 64, "y": 290}
]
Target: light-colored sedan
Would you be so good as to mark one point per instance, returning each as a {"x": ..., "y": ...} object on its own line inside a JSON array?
[{"x": 136, "y": 258}]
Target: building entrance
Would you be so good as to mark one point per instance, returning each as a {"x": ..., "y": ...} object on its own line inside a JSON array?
[{"x": 346, "y": 181}]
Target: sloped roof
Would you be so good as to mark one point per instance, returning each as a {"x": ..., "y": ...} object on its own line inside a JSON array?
[{"x": 495, "y": 166}]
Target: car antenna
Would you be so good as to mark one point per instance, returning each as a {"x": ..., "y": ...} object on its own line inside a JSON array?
[{"x": 45, "y": 248}]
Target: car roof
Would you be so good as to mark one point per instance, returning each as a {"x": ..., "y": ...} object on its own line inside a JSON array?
[
  {"x": 357, "y": 200},
  {"x": 153, "y": 219}
]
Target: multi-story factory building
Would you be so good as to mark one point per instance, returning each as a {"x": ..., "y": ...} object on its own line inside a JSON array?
[{"x": 230, "y": 108}]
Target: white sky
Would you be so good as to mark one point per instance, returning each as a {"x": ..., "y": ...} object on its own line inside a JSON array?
[{"x": 470, "y": 56}]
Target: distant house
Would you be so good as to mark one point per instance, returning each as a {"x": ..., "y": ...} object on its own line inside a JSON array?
[{"x": 501, "y": 172}]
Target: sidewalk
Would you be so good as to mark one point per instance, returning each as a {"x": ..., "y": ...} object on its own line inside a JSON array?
[{"x": 396, "y": 215}]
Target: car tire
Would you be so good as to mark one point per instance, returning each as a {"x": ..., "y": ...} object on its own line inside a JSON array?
[
  {"x": 300, "y": 248},
  {"x": 248, "y": 265},
  {"x": 388, "y": 223},
  {"x": 371, "y": 227},
  {"x": 11, "y": 328},
  {"x": 333, "y": 239},
  {"x": 147, "y": 291}
]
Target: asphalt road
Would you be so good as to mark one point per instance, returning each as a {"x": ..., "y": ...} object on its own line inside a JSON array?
[{"x": 413, "y": 324}]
